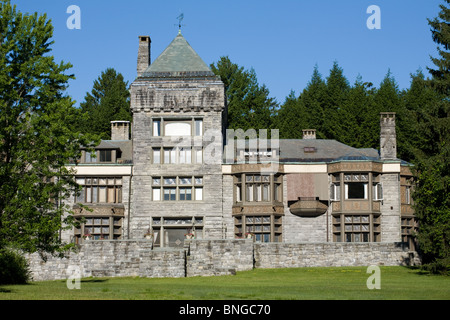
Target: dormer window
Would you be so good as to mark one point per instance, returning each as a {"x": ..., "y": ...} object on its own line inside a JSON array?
[
  {"x": 100, "y": 156},
  {"x": 105, "y": 155},
  {"x": 90, "y": 157}
]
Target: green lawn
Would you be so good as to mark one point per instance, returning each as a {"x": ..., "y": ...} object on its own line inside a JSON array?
[{"x": 268, "y": 284}]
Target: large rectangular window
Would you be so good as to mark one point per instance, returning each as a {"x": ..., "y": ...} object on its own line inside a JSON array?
[
  {"x": 177, "y": 188},
  {"x": 356, "y": 186},
  {"x": 263, "y": 228},
  {"x": 356, "y": 228},
  {"x": 99, "y": 190},
  {"x": 169, "y": 127},
  {"x": 258, "y": 188},
  {"x": 178, "y": 155}
]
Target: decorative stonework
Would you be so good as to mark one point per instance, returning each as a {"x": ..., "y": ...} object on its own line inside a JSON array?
[
  {"x": 180, "y": 97},
  {"x": 355, "y": 167},
  {"x": 356, "y": 205},
  {"x": 255, "y": 168},
  {"x": 258, "y": 209},
  {"x": 100, "y": 210}
]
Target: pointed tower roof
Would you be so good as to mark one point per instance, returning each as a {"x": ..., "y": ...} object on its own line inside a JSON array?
[{"x": 178, "y": 60}]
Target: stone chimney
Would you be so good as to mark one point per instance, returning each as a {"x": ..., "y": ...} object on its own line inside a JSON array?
[
  {"x": 309, "y": 134},
  {"x": 143, "y": 60},
  {"x": 388, "y": 136},
  {"x": 120, "y": 130}
]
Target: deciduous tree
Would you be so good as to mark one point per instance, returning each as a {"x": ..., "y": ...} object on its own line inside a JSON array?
[{"x": 36, "y": 142}]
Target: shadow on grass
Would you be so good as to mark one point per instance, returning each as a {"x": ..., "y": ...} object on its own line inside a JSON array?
[
  {"x": 420, "y": 271},
  {"x": 90, "y": 280},
  {"x": 94, "y": 280}
]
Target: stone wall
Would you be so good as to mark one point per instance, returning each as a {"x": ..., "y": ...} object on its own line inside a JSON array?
[
  {"x": 216, "y": 257},
  {"x": 138, "y": 258},
  {"x": 295, "y": 255},
  {"x": 120, "y": 258}
]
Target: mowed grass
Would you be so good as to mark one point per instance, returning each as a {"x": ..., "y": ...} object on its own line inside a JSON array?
[{"x": 268, "y": 284}]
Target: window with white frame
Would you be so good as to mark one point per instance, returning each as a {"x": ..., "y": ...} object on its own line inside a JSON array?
[
  {"x": 377, "y": 191},
  {"x": 177, "y": 188},
  {"x": 258, "y": 188},
  {"x": 168, "y": 127},
  {"x": 356, "y": 186},
  {"x": 178, "y": 155},
  {"x": 335, "y": 192}
]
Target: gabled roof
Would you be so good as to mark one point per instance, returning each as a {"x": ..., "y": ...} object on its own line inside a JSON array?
[{"x": 178, "y": 60}]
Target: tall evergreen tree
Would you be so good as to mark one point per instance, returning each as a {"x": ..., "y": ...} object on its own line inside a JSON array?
[
  {"x": 388, "y": 98},
  {"x": 249, "y": 104},
  {"x": 355, "y": 125},
  {"x": 108, "y": 101},
  {"x": 312, "y": 101},
  {"x": 291, "y": 118},
  {"x": 36, "y": 143},
  {"x": 431, "y": 196}
]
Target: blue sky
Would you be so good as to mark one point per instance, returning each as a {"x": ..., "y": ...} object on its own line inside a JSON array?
[{"x": 282, "y": 40}]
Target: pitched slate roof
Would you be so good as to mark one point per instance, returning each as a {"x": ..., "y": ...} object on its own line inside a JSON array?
[
  {"x": 178, "y": 60},
  {"x": 318, "y": 150},
  {"x": 315, "y": 150}
]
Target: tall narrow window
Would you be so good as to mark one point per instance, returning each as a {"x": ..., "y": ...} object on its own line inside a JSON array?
[
  {"x": 377, "y": 191},
  {"x": 198, "y": 155},
  {"x": 335, "y": 192},
  {"x": 198, "y": 193},
  {"x": 156, "y": 128},
  {"x": 156, "y": 155},
  {"x": 198, "y": 127}
]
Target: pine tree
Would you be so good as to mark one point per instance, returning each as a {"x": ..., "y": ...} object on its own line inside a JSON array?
[
  {"x": 432, "y": 165},
  {"x": 336, "y": 97},
  {"x": 312, "y": 100},
  {"x": 357, "y": 122},
  {"x": 291, "y": 118},
  {"x": 249, "y": 104},
  {"x": 108, "y": 101}
]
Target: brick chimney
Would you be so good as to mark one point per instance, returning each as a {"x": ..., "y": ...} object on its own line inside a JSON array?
[
  {"x": 120, "y": 130},
  {"x": 309, "y": 134},
  {"x": 143, "y": 60},
  {"x": 388, "y": 136}
]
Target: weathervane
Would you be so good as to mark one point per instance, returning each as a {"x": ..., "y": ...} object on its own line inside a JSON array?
[{"x": 180, "y": 18}]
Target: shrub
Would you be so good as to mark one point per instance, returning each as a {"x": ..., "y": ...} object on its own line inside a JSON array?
[{"x": 14, "y": 268}]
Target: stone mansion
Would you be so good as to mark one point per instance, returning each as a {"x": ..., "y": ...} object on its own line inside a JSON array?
[{"x": 176, "y": 172}]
